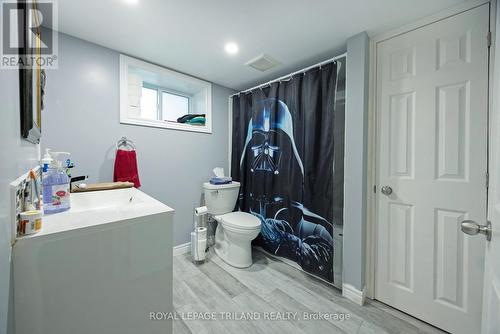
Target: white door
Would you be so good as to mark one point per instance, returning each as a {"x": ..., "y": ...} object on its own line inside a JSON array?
[
  {"x": 491, "y": 297},
  {"x": 432, "y": 99}
]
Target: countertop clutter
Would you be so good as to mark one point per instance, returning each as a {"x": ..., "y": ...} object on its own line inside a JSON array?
[{"x": 101, "y": 186}]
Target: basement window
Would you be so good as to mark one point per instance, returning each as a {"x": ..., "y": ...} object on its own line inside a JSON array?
[
  {"x": 154, "y": 96},
  {"x": 174, "y": 106}
]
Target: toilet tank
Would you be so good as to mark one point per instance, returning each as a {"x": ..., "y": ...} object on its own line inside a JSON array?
[{"x": 221, "y": 198}]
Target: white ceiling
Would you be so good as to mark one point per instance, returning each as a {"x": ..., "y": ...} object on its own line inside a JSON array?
[{"x": 189, "y": 35}]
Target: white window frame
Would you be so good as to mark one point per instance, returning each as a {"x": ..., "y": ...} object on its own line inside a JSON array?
[{"x": 126, "y": 62}]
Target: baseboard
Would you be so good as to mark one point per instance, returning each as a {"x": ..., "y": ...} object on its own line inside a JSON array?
[
  {"x": 353, "y": 294},
  {"x": 182, "y": 249}
]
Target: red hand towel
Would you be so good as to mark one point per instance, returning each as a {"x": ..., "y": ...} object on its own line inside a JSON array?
[{"x": 126, "y": 167}]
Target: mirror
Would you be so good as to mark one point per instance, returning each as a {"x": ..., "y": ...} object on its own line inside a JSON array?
[{"x": 31, "y": 78}]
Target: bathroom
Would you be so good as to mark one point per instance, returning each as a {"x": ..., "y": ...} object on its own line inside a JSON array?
[{"x": 250, "y": 167}]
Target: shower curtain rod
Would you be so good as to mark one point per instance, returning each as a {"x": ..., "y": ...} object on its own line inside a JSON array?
[{"x": 292, "y": 74}]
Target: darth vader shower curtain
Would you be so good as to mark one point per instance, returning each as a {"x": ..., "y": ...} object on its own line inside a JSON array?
[{"x": 288, "y": 154}]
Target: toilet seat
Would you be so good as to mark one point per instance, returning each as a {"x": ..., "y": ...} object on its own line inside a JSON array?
[{"x": 239, "y": 221}]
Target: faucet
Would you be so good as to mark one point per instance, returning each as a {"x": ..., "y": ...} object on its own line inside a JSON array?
[{"x": 76, "y": 179}]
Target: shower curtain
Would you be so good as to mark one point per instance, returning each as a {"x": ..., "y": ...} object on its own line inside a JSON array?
[{"x": 288, "y": 154}]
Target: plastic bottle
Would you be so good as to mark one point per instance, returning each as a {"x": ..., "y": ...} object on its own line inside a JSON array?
[
  {"x": 56, "y": 195},
  {"x": 47, "y": 159}
]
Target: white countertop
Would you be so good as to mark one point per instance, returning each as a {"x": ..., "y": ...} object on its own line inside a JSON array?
[{"x": 93, "y": 209}]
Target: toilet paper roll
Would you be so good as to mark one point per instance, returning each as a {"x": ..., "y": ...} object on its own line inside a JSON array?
[
  {"x": 202, "y": 245},
  {"x": 201, "y": 233},
  {"x": 194, "y": 246},
  {"x": 198, "y": 247},
  {"x": 200, "y": 211}
]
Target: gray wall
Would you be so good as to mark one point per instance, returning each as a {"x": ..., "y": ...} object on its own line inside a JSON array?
[
  {"x": 82, "y": 117},
  {"x": 356, "y": 133},
  {"x": 17, "y": 157}
]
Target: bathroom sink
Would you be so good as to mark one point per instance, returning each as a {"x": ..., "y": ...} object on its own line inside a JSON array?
[
  {"x": 100, "y": 207},
  {"x": 108, "y": 199},
  {"x": 100, "y": 267}
]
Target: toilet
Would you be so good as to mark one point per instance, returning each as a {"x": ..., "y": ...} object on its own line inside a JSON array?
[{"x": 235, "y": 230}]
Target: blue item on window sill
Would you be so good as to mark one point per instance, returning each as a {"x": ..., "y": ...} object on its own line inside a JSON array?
[
  {"x": 221, "y": 180},
  {"x": 196, "y": 121}
]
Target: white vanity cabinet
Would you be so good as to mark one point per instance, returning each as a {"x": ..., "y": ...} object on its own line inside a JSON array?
[{"x": 100, "y": 267}]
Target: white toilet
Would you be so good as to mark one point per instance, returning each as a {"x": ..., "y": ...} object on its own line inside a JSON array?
[{"x": 235, "y": 230}]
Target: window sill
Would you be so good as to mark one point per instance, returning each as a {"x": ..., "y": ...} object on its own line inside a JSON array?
[{"x": 207, "y": 128}]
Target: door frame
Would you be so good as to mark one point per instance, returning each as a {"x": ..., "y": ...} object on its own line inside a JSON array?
[{"x": 372, "y": 179}]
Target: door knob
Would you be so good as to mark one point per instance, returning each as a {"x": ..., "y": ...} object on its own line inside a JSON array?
[
  {"x": 386, "y": 190},
  {"x": 470, "y": 227}
]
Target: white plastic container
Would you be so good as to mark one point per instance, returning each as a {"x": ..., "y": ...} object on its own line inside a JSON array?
[{"x": 30, "y": 222}]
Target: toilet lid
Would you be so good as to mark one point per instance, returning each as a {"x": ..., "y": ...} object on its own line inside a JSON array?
[{"x": 240, "y": 220}]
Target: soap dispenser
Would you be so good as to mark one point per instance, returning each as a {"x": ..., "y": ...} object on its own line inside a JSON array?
[{"x": 56, "y": 192}]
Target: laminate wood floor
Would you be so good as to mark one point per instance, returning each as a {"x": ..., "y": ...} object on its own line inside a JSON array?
[{"x": 273, "y": 297}]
